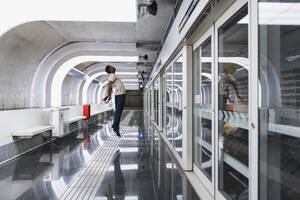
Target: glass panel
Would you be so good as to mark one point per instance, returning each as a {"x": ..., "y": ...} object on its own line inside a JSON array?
[
  {"x": 150, "y": 102},
  {"x": 156, "y": 101},
  {"x": 177, "y": 89},
  {"x": 169, "y": 104},
  {"x": 202, "y": 108},
  {"x": 163, "y": 102},
  {"x": 279, "y": 99},
  {"x": 233, "y": 67}
]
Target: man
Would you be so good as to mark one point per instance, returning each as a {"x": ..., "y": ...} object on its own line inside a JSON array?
[{"x": 119, "y": 88}]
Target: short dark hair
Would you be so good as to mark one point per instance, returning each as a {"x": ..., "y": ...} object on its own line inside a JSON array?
[{"x": 107, "y": 69}]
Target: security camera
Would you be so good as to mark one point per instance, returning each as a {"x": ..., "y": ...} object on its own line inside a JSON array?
[
  {"x": 152, "y": 8},
  {"x": 144, "y": 57}
]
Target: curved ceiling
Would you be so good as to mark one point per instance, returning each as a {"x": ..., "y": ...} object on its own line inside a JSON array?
[{"x": 30, "y": 40}]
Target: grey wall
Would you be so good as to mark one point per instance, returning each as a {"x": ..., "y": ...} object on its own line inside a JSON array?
[{"x": 134, "y": 99}]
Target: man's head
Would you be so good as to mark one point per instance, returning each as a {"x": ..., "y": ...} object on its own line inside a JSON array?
[{"x": 110, "y": 69}]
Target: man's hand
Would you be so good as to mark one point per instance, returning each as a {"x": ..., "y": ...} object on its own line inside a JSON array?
[
  {"x": 107, "y": 99},
  {"x": 229, "y": 129},
  {"x": 104, "y": 99}
]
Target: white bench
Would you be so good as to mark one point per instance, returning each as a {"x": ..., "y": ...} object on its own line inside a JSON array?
[
  {"x": 101, "y": 111},
  {"x": 74, "y": 119},
  {"x": 29, "y": 132}
]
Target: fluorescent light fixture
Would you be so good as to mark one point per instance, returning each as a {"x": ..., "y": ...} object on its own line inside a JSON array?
[
  {"x": 67, "y": 10},
  {"x": 179, "y": 197},
  {"x": 127, "y": 73},
  {"x": 130, "y": 80},
  {"x": 64, "y": 69},
  {"x": 178, "y": 149},
  {"x": 131, "y": 198},
  {"x": 131, "y": 139},
  {"x": 176, "y": 73},
  {"x": 179, "y": 60},
  {"x": 169, "y": 165},
  {"x": 128, "y": 150},
  {"x": 132, "y": 134},
  {"x": 126, "y": 198},
  {"x": 125, "y": 167},
  {"x": 131, "y": 84},
  {"x": 89, "y": 79}
]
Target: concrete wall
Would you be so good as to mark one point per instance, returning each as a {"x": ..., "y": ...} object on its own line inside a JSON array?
[{"x": 21, "y": 51}]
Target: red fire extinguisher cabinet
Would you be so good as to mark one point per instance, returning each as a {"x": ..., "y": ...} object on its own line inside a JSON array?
[{"x": 87, "y": 111}]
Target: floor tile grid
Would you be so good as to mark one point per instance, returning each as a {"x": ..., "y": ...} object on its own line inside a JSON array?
[
  {"x": 89, "y": 193},
  {"x": 92, "y": 169},
  {"x": 95, "y": 157},
  {"x": 93, "y": 190},
  {"x": 87, "y": 182},
  {"x": 91, "y": 176},
  {"x": 90, "y": 182},
  {"x": 69, "y": 193}
]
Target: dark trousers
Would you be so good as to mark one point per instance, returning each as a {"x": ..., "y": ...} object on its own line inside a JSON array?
[{"x": 120, "y": 102}]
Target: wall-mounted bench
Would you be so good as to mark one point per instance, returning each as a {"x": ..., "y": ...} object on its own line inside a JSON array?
[
  {"x": 74, "y": 119},
  {"x": 101, "y": 111},
  {"x": 29, "y": 132}
]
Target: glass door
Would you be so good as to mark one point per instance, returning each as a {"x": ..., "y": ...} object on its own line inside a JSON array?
[
  {"x": 203, "y": 110},
  {"x": 177, "y": 105},
  {"x": 156, "y": 102},
  {"x": 279, "y": 99},
  {"x": 169, "y": 103},
  {"x": 232, "y": 101}
]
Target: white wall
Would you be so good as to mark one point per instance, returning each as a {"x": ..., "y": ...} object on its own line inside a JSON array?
[
  {"x": 72, "y": 112},
  {"x": 20, "y": 119}
]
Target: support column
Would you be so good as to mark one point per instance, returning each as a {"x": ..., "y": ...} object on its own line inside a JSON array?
[{"x": 187, "y": 103}]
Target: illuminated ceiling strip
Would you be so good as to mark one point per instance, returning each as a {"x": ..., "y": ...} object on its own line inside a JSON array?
[
  {"x": 125, "y": 167},
  {"x": 64, "y": 69},
  {"x": 89, "y": 79}
]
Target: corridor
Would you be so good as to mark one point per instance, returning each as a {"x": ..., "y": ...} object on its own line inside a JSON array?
[{"x": 141, "y": 166}]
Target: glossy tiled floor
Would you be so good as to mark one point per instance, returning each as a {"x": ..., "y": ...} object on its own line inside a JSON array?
[{"x": 142, "y": 169}]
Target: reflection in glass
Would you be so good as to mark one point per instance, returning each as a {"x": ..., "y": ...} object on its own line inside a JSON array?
[
  {"x": 279, "y": 101},
  {"x": 169, "y": 103},
  {"x": 163, "y": 103},
  {"x": 177, "y": 105},
  {"x": 202, "y": 108},
  {"x": 156, "y": 101},
  {"x": 233, "y": 107},
  {"x": 150, "y": 102}
]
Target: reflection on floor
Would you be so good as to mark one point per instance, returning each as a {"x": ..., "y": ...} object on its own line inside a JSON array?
[{"x": 142, "y": 168}]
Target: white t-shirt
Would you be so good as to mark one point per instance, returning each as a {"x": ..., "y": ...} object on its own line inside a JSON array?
[
  {"x": 117, "y": 84},
  {"x": 224, "y": 84}
]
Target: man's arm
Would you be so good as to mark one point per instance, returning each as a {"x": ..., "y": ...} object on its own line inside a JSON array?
[{"x": 108, "y": 91}]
